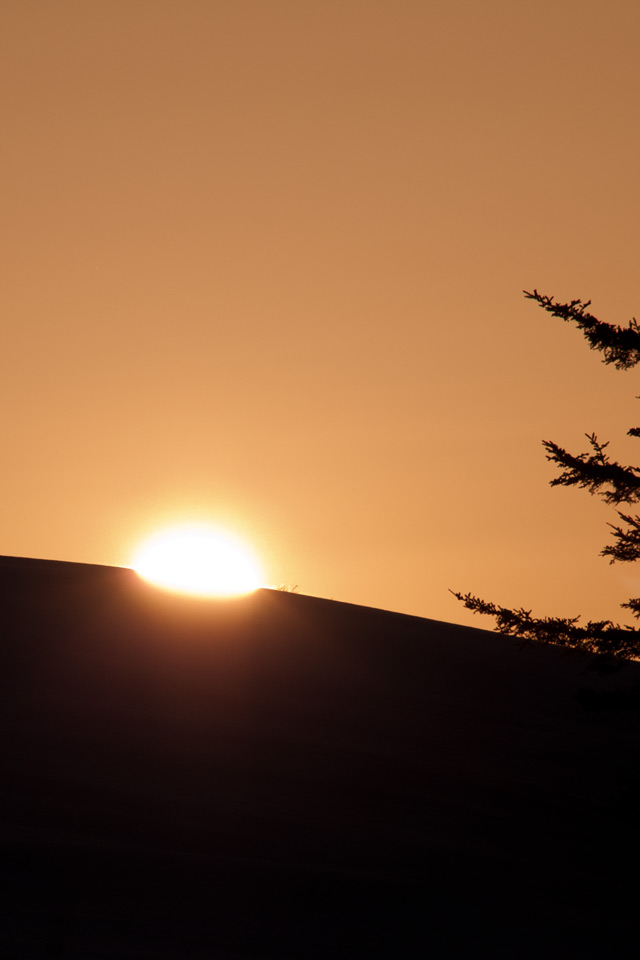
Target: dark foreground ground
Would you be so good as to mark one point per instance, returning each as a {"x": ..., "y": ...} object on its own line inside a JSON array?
[{"x": 282, "y": 776}]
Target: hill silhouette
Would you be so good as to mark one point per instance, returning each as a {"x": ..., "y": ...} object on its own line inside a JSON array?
[{"x": 285, "y": 776}]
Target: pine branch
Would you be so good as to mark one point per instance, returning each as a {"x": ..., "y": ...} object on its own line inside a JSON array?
[
  {"x": 620, "y": 345},
  {"x": 601, "y": 638},
  {"x": 634, "y": 606},
  {"x": 627, "y": 548},
  {"x": 595, "y": 472}
]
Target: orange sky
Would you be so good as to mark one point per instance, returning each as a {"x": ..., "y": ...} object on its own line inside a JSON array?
[{"x": 262, "y": 266}]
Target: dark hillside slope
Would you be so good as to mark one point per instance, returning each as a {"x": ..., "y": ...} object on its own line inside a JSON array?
[{"x": 283, "y": 776}]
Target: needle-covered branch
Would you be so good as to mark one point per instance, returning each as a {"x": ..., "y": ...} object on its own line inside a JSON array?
[
  {"x": 595, "y": 472},
  {"x": 620, "y": 345},
  {"x": 627, "y": 546},
  {"x": 602, "y": 638},
  {"x": 634, "y": 606}
]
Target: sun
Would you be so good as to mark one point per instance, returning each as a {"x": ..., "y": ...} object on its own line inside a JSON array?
[{"x": 200, "y": 560}]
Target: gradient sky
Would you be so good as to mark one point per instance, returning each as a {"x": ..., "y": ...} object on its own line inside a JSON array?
[{"x": 262, "y": 264}]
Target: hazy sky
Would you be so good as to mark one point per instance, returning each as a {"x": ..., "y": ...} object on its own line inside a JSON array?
[{"x": 262, "y": 264}]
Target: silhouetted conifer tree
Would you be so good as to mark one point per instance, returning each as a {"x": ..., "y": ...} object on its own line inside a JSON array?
[{"x": 615, "y": 483}]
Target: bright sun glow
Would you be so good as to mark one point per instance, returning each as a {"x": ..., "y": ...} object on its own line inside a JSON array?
[{"x": 198, "y": 560}]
